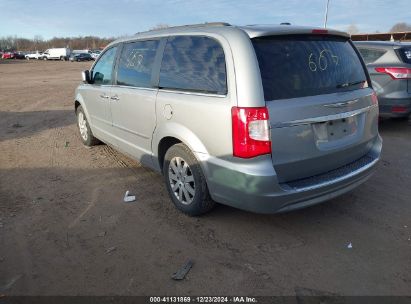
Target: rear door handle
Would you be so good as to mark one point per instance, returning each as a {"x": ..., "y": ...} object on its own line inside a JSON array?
[
  {"x": 104, "y": 96},
  {"x": 115, "y": 97}
]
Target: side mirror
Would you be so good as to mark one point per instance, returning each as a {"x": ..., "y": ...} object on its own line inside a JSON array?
[{"x": 85, "y": 75}]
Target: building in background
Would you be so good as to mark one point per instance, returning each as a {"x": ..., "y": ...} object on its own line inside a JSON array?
[{"x": 391, "y": 36}]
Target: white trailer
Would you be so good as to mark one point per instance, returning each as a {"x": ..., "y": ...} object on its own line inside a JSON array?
[{"x": 57, "y": 54}]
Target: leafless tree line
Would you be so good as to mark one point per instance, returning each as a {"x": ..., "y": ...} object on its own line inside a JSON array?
[
  {"x": 398, "y": 27},
  {"x": 12, "y": 43},
  {"x": 93, "y": 42}
]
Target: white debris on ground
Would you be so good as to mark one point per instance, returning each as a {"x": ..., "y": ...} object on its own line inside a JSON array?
[{"x": 129, "y": 198}]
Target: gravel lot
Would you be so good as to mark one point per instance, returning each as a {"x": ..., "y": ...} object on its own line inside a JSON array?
[{"x": 65, "y": 230}]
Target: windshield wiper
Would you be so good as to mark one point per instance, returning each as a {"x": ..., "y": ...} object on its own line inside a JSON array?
[{"x": 349, "y": 84}]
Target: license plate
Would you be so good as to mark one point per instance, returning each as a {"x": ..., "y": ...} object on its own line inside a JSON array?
[
  {"x": 335, "y": 129},
  {"x": 340, "y": 128}
]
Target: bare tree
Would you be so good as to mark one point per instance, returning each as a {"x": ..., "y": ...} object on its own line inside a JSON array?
[
  {"x": 12, "y": 43},
  {"x": 37, "y": 41},
  {"x": 352, "y": 29},
  {"x": 401, "y": 27}
]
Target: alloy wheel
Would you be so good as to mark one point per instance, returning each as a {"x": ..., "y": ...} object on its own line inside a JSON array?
[
  {"x": 82, "y": 124},
  {"x": 181, "y": 180}
]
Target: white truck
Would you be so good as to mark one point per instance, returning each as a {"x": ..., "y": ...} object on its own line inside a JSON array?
[
  {"x": 37, "y": 55},
  {"x": 57, "y": 54}
]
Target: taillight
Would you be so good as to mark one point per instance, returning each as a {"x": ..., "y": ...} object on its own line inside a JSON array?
[
  {"x": 398, "y": 109},
  {"x": 251, "y": 132},
  {"x": 396, "y": 73}
]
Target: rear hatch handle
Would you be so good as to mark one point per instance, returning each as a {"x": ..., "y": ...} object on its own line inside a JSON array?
[
  {"x": 341, "y": 104},
  {"x": 320, "y": 119}
]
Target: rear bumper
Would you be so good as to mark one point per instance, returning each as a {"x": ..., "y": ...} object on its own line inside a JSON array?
[
  {"x": 254, "y": 187},
  {"x": 395, "y": 107}
]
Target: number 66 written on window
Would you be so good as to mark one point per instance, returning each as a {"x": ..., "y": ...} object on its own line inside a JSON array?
[{"x": 322, "y": 62}]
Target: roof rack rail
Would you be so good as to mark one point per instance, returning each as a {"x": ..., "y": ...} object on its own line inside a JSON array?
[{"x": 189, "y": 26}]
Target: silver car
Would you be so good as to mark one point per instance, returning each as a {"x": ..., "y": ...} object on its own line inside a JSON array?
[{"x": 262, "y": 118}]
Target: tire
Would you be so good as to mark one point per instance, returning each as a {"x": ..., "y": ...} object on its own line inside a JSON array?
[
  {"x": 86, "y": 135},
  {"x": 181, "y": 170},
  {"x": 45, "y": 58},
  {"x": 28, "y": 58}
]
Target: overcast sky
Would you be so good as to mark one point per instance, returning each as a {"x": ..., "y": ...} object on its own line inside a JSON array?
[{"x": 107, "y": 18}]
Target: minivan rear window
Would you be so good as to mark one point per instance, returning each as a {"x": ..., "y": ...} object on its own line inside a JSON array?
[
  {"x": 371, "y": 55},
  {"x": 307, "y": 65}
]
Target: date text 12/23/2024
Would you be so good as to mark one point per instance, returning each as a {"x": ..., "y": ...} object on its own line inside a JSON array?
[{"x": 203, "y": 299}]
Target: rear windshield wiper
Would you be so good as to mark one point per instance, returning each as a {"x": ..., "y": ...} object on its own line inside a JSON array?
[{"x": 349, "y": 84}]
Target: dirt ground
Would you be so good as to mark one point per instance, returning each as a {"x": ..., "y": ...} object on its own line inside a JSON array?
[{"x": 65, "y": 230}]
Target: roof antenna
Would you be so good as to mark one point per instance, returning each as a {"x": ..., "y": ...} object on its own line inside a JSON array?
[{"x": 326, "y": 14}]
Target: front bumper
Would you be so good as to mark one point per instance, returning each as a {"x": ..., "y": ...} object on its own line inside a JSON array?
[{"x": 254, "y": 187}]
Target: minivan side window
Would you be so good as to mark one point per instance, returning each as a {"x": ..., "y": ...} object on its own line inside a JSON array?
[
  {"x": 102, "y": 71},
  {"x": 136, "y": 62},
  {"x": 370, "y": 55},
  {"x": 194, "y": 63}
]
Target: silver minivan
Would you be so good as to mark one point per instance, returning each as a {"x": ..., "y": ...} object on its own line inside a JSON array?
[{"x": 262, "y": 118}]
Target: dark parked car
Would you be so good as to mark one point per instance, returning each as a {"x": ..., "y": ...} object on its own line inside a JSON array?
[
  {"x": 19, "y": 55},
  {"x": 389, "y": 65},
  {"x": 80, "y": 57}
]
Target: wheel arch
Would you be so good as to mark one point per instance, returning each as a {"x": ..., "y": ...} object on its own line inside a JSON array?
[
  {"x": 170, "y": 134},
  {"x": 162, "y": 148},
  {"x": 79, "y": 101}
]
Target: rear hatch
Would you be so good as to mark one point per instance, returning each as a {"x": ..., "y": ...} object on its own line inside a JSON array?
[{"x": 323, "y": 114}]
